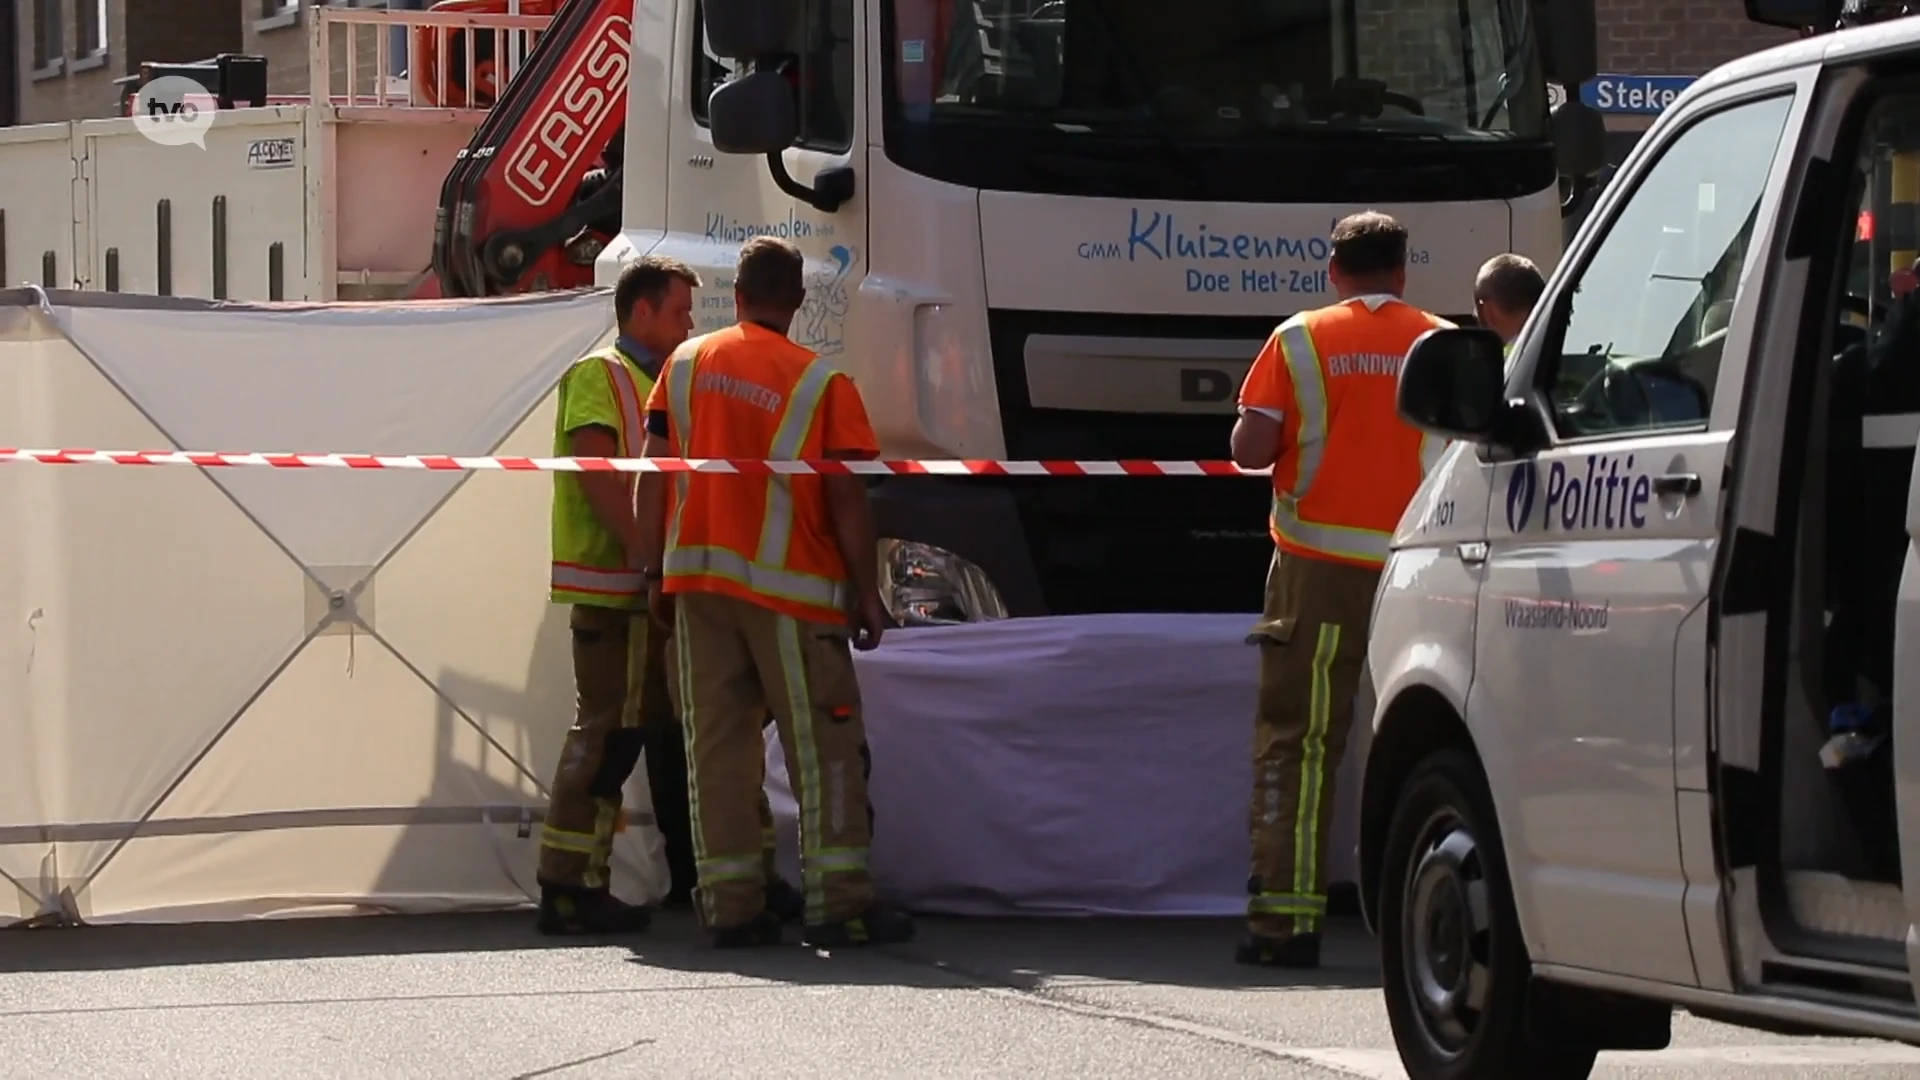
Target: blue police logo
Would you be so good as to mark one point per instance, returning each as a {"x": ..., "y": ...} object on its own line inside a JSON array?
[{"x": 1522, "y": 487}]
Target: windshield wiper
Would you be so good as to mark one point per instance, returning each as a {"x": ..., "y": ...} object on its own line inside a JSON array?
[{"x": 1469, "y": 159}]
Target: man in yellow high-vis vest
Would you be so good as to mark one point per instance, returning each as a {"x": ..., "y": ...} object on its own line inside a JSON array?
[{"x": 619, "y": 661}]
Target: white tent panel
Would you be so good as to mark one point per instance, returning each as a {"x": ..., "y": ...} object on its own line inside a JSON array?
[
  {"x": 465, "y": 601},
  {"x": 30, "y": 766},
  {"x": 492, "y": 528},
  {"x": 282, "y": 873},
  {"x": 348, "y": 725},
  {"x": 364, "y": 714},
  {"x": 394, "y": 379},
  {"x": 126, "y": 568},
  {"x": 348, "y": 740}
]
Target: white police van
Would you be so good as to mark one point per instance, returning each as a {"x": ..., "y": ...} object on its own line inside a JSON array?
[{"x": 1664, "y": 564}]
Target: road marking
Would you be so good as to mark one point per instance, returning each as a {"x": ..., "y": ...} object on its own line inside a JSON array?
[{"x": 1385, "y": 1064}]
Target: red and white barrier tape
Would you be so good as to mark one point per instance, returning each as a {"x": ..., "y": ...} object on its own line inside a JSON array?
[{"x": 740, "y": 467}]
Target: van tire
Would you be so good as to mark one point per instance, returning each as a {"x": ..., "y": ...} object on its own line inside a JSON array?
[{"x": 1443, "y": 846}]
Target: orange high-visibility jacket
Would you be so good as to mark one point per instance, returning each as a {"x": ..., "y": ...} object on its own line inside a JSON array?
[
  {"x": 1348, "y": 464},
  {"x": 748, "y": 392}
]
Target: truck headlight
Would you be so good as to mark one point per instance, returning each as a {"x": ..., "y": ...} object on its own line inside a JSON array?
[{"x": 923, "y": 585}]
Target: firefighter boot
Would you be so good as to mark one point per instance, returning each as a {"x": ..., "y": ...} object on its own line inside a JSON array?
[
  {"x": 761, "y": 930},
  {"x": 878, "y": 925},
  {"x": 572, "y": 911},
  {"x": 1298, "y": 951}
]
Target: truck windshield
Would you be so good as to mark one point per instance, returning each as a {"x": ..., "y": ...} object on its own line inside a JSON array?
[{"x": 1214, "y": 71}]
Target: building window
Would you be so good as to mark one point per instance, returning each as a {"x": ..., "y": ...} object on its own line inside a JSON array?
[
  {"x": 90, "y": 28},
  {"x": 270, "y": 8},
  {"x": 48, "y": 42}
]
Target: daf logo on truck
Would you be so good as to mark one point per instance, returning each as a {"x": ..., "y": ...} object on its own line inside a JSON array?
[
  {"x": 1602, "y": 492},
  {"x": 589, "y": 90},
  {"x": 1205, "y": 385}
]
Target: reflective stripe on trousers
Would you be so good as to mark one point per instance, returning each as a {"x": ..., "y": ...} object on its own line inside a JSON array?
[
  {"x": 597, "y": 846},
  {"x": 736, "y": 864},
  {"x": 1306, "y": 900},
  {"x": 793, "y": 665},
  {"x": 684, "y": 662},
  {"x": 766, "y": 573}
]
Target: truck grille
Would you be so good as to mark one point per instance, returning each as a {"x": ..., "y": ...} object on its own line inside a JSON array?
[{"x": 1132, "y": 544}]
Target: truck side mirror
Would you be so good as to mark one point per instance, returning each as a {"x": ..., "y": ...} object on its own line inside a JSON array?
[
  {"x": 757, "y": 113},
  {"x": 1579, "y": 139},
  {"x": 1794, "y": 14},
  {"x": 746, "y": 29},
  {"x": 753, "y": 114},
  {"x": 1569, "y": 40},
  {"x": 1454, "y": 384}
]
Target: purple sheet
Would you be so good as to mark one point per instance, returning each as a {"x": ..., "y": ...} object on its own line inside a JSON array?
[{"x": 1087, "y": 765}]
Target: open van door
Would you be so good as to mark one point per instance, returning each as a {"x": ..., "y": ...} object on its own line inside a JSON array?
[
  {"x": 1906, "y": 721},
  {"x": 1818, "y": 536}
]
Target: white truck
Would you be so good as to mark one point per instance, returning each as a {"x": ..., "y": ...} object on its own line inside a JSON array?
[
  {"x": 1051, "y": 229},
  {"x": 1642, "y": 662},
  {"x": 1061, "y": 229}
]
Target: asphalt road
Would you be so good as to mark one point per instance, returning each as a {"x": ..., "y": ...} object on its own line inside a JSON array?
[{"x": 481, "y": 996}]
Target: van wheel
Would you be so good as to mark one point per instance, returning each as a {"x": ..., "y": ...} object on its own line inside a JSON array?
[{"x": 1453, "y": 964}]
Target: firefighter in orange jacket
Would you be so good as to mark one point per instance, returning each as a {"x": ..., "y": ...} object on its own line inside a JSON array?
[
  {"x": 768, "y": 582},
  {"x": 621, "y": 699},
  {"x": 1319, "y": 407}
]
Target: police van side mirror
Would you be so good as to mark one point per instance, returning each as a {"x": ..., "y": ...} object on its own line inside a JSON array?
[{"x": 1454, "y": 384}]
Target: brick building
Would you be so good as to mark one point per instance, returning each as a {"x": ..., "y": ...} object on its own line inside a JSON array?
[
  {"x": 67, "y": 53},
  {"x": 1673, "y": 37},
  {"x": 1678, "y": 37}
]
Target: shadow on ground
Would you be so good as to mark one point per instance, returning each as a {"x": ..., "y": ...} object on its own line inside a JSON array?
[
  {"x": 1030, "y": 954},
  {"x": 1019, "y": 954},
  {"x": 108, "y": 948}
]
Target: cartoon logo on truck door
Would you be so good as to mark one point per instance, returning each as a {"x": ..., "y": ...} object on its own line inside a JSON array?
[
  {"x": 589, "y": 90},
  {"x": 821, "y": 322}
]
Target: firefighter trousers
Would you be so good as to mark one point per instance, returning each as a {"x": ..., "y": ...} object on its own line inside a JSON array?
[
  {"x": 734, "y": 661},
  {"x": 667, "y": 777},
  {"x": 1313, "y": 639},
  {"x": 620, "y": 693}
]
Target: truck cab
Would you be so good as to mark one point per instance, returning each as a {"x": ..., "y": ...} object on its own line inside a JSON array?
[
  {"x": 1643, "y": 657},
  {"x": 1062, "y": 229}
]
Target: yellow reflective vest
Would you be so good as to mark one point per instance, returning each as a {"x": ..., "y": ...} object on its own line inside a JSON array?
[{"x": 608, "y": 388}]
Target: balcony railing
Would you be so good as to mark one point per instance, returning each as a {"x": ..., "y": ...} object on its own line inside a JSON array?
[{"x": 454, "y": 60}]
